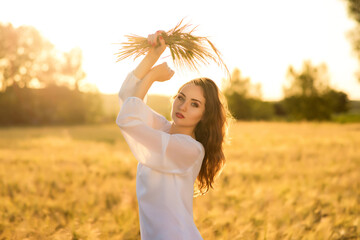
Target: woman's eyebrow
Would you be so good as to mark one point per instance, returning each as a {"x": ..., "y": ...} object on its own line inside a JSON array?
[{"x": 191, "y": 99}]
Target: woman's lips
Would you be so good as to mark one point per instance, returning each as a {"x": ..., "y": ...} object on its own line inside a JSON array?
[{"x": 179, "y": 115}]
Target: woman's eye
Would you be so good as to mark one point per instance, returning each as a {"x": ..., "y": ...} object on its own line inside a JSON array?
[
  {"x": 195, "y": 105},
  {"x": 180, "y": 98}
]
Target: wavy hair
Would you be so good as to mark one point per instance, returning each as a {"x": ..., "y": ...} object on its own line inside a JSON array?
[{"x": 211, "y": 132}]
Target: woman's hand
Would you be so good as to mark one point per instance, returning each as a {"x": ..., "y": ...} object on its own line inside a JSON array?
[
  {"x": 161, "y": 73},
  {"x": 158, "y": 47},
  {"x": 157, "y": 42}
]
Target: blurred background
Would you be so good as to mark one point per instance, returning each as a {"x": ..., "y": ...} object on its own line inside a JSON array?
[
  {"x": 293, "y": 156},
  {"x": 289, "y": 61}
]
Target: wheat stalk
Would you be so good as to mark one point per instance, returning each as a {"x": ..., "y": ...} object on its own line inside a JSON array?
[{"x": 187, "y": 50}]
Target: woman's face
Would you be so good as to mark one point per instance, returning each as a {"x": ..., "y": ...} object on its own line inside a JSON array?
[{"x": 188, "y": 106}]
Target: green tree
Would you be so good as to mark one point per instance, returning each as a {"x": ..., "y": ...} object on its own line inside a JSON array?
[
  {"x": 310, "y": 81},
  {"x": 309, "y": 95},
  {"x": 241, "y": 85},
  {"x": 244, "y": 98}
]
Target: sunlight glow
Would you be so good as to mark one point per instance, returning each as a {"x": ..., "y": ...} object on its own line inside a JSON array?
[{"x": 261, "y": 41}]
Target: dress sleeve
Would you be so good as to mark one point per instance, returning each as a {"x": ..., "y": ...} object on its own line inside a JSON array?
[
  {"x": 152, "y": 118},
  {"x": 169, "y": 153},
  {"x": 128, "y": 87}
]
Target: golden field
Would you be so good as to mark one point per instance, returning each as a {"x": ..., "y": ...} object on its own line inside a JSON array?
[{"x": 281, "y": 181}]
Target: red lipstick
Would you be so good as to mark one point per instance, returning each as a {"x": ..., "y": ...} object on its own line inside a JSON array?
[{"x": 179, "y": 115}]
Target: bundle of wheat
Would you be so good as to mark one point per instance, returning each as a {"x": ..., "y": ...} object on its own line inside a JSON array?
[{"x": 187, "y": 50}]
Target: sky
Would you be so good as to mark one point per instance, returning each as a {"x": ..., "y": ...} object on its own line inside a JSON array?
[{"x": 261, "y": 38}]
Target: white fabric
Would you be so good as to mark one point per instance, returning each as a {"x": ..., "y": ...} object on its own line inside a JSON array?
[{"x": 167, "y": 169}]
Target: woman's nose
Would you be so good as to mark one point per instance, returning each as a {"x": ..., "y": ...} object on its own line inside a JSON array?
[{"x": 183, "y": 106}]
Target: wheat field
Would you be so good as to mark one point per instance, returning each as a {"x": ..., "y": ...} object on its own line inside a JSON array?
[{"x": 281, "y": 181}]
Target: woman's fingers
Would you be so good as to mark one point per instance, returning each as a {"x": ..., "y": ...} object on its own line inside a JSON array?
[
  {"x": 151, "y": 39},
  {"x": 160, "y": 38},
  {"x": 170, "y": 72},
  {"x": 162, "y": 72},
  {"x": 156, "y": 38},
  {"x": 166, "y": 66}
]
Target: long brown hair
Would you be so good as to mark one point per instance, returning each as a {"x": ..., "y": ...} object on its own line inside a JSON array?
[{"x": 211, "y": 131}]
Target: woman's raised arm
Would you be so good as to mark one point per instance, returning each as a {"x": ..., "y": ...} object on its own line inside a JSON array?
[
  {"x": 145, "y": 70},
  {"x": 158, "y": 47}
]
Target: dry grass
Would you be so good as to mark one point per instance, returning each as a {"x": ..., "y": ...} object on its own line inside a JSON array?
[
  {"x": 282, "y": 181},
  {"x": 187, "y": 50}
]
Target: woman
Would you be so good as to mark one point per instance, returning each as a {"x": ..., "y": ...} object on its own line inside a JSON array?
[{"x": 171, "y": 155}]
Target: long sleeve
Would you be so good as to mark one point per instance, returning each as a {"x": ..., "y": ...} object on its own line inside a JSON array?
[
  {"x": 128, "y": 87},
  {"x": 153, "y": 119},
  {"x": 169, "y": 153}
]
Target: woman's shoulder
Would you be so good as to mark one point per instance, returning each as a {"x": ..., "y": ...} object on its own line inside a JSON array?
[{"x": 189, "y": 139}]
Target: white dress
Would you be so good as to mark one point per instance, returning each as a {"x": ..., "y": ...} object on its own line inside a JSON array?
[{"x": 167, "y": 169}]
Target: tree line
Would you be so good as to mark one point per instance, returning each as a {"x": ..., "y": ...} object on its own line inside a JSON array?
[
  {"x": 307, "y": 96},
  {"x": 42, "y": 85}
]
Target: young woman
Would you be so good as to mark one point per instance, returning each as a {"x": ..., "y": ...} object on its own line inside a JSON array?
[{"x": 171, "y": 155}]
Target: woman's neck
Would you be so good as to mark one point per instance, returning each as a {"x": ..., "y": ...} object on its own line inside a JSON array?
[{"x": 175, "y": 129}]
